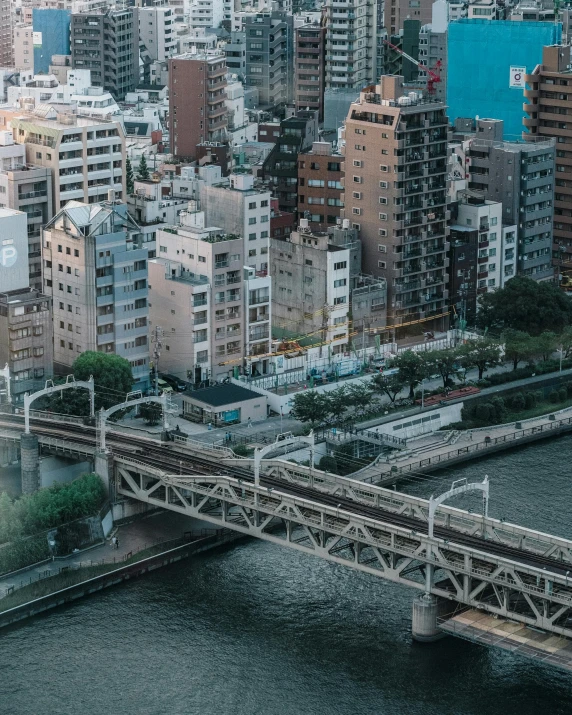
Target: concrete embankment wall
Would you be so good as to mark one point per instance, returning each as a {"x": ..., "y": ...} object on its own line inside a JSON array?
[{"x": 111, "y": 578}]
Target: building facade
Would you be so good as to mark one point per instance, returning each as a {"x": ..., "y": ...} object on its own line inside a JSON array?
[
  {"x": 197, "y": 109},
  {"x": 106, "y": 42},
  {"x": 320, "y": 186},
  {"x": 98, "y": 281},
  {"x": 396, "y": 195},
  {"x": 309, "y": 68},
  {"x": 86, "y": 157},
  {"x": 351, "y": 44},
  {"x": 26, "y": 339},
  {"x": 548, "y": 103},
  {"x": 51, "y": 36}
]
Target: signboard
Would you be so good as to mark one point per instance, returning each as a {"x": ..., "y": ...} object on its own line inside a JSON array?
[
  {"x": 516, "y": 78},
  {"x": 37, "y": 39},
  {"x": 14, "y": 272}
]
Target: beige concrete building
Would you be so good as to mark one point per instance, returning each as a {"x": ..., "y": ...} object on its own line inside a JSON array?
[
  {"x": 98, "y": 280},
  {"x": 6, "y": 50},
  {"x": 86, "y": 156},
  {"x": 396, "y": 195},
  {"x": 26, "y": 339},
  {"x": 23, "y": 47}
]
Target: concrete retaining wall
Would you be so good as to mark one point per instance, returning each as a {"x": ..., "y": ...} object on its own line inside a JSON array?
[{"x": 98, "y": 583}]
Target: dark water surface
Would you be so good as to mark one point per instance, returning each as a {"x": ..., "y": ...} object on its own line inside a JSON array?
[{"x": 256, "y": 629}]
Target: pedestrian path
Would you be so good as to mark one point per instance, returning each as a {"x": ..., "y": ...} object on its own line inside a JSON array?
[{"x": 133, "y": 537}]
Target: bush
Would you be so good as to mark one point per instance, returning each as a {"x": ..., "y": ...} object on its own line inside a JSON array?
[
  {"x": 499, "y": 407},
  {"x": 562, "y": 394},
  {"x": 328, "y": 464},
  {"x": 530, "y": 400},
  {"x": 484, "y": 412},
  {"x": 518, "y": 401},
  {"x": 241, "y": 450},
  {"x": 568, "y": 389},
  {"x": 554, "y": 397},
  {"x": 22, "y": 553}
]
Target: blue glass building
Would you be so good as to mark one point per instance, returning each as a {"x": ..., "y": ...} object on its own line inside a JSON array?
[
  {"x": 51, "y": 36},
  {"x": 480, "y": 55}
]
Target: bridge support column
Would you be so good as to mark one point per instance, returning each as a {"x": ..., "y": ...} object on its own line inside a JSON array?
[
  {"x": 103, "y": 466},
  {"x": 30, "y": 463},
  {"x": 424, "y": 622}
]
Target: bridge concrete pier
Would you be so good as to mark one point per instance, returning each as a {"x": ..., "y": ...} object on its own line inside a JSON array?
[
  {"x": 30, "y": 469},
  {"x": 103, "y": 466},
  {"x": 424, "y": 628}
]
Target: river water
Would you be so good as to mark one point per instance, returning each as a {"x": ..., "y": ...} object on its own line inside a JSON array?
[{"x": 256, "y": 629}]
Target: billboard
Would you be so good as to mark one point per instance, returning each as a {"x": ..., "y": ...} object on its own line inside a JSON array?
[
  {"x": 516, "y": 78},
  {"x": 37, "y": 39},
  {"x": 14, "y": 272}
]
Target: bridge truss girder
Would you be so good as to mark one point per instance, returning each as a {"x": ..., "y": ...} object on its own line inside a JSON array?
[
  {"x": 465, "y": 577},
  {"x": 472, "y": 524}
]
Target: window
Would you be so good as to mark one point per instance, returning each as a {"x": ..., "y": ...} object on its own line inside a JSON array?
[
  {"x": 252, "y": 220},
  {"x": 383, "y": 184},
  {"x": 308, "y": 262},
  {"x": 357, "y": 163},
  {"x": 356, "y": 211},
  {"x": 318, "y": 183},
  {"x": 340, "y": 300},
  {"x": 383, "y": 167},
  {"x": 383, "y": 217},
  {"x": 381, "y": 264},
  {"x": 382, "y": 199},
  {"x": 357, "y": 179},
  {"x": 252, "y": 205},
  {"x": 382, "y": 248},
  {"x": 252, "y": 237},
  {"x": 202, "y": 259},
  {"x": 356, "y": 195},
  {"x": 340, "y": 265},
  {"x": 340, "y": 282}
]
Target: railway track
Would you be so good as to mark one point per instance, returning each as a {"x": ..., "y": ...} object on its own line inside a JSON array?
[{"x": 163, "y": 457}]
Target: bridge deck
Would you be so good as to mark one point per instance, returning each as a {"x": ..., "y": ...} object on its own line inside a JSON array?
[{"x": 485, "y": 629}]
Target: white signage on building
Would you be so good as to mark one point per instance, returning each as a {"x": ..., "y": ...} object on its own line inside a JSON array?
[
  {"x": 37, "y": 39},
  {"x": 517, "y": 77}
]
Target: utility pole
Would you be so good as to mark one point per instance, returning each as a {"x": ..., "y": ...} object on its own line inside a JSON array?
[
  {"x": 156, "y": 339},
  {"x": 325, "y": 317}
]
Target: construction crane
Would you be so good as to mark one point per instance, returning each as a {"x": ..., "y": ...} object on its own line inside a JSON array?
[{"x": 433, "y": 75}]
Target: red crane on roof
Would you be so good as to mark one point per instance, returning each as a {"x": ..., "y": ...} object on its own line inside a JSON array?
[{"x": 433, "y": 75}]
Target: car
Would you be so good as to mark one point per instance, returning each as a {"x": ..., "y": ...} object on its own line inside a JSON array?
[
  {"x": 175, "y": 382},
  {"x": 164, "y": 387}
]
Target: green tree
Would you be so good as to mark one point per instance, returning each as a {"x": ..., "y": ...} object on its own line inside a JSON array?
[
  {"x": 525, "y": 305},
  {"x": 390, "y": 385},
  {"x": 129, "y": 176},
  {"x": 412, "y": 369},
  {"x": 565, "y": 340},
  {"x": 360, "y": 396},
  {"x": 444, "y": 362},
  {"x": 546, "y": 344},
  {"x": 338, "y": 403},
  {"x": 312, "y": 407},
  {"x": 518, "y": 346},
  {"x": 151, "y": 412},
  {"x": 480, "y": 353},
  {"x": 143, "y": 170},
  {"x": 112, "y": 377}
]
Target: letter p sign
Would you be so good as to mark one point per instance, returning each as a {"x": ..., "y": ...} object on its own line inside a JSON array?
[{"x": 8, "y": 256}]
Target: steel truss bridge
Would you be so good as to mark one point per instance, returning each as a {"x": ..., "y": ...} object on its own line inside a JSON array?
[{"x": 474, "y": 561}]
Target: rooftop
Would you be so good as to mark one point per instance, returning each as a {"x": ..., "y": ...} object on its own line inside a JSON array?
[{"x": 221, "y": 395}]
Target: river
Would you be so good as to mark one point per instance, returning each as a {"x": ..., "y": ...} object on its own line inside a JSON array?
[{"x": 256, "y": 629}]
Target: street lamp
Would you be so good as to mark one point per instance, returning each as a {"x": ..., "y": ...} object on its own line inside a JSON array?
[
  {"x": 561, "y": 351},
  {"x": 422, "y": 393}
]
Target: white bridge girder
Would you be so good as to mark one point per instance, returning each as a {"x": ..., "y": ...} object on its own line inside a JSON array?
[{"x": 463, "y": 575}]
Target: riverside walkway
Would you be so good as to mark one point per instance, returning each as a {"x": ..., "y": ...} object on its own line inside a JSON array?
[{"x": 446, "y": 449}]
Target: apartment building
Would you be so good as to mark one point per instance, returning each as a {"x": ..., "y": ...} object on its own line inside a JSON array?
[
  {"x": 224, "y": 319},
  {"x": 397, "y": 11},
  {"x": 521, "y": 176},
  {"x": 86, "y": 156},
  {"x": 197, "y": 109},
  {"x": 396, "y": 195},
  {"x": 297, "y": 134},
  {"x": 51, "y": 37},
  {"x": 311, "y": 288},
  {"x": 26, "y": 188},
  {"x": 206, "y": 13},
  {"x": 23, "y": 47},
  {"x": 97, "y": 279},
  {"x": 26, "y": 339},
  {"x": 433, "y": 45},
  {"x": 309, "y": 68},
  {"x": 320, "y": 186},
  {"x": 495, "y": 265},
  {"x": 156, "y": 32},
  {"x": 239, "y": 207},
  {"x": 6, "y": 50},
  {"x": 351, "y": 45},
  {"x": 548, "y": 104},
  {"x": 269, "y": 66},
  {"x": 106, "y": 41}
]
